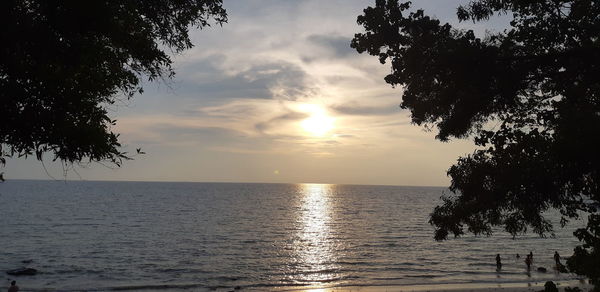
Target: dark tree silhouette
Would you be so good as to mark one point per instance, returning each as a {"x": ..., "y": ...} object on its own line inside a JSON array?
[
  {"x": 529, "y": 96},
  {"x": 63, "y": 62}
]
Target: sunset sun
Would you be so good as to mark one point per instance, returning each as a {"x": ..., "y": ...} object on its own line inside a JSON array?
[{"x": 318, "y": 123}]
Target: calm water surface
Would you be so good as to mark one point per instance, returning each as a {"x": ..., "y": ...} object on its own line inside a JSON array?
[{"x": 202, "y": 236}]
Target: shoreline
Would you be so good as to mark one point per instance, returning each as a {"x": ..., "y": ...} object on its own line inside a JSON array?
[
  {"x": 437, "y": 287},
  {"x": 450, "y": 287}
]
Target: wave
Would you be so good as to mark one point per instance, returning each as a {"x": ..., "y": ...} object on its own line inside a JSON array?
[{"x": 302, "y": 284}]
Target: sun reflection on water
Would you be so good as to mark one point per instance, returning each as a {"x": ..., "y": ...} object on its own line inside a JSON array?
[{"x": 315, "y": 248}]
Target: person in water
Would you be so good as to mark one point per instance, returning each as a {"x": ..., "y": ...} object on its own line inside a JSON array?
[
  {"x": 557, "y": 258},
  {"x": 531, "y": 256},
  {"x": 13, "y": 287},
  {"x": 528, "y": 261},
  {"x": 498, "y": 262}
]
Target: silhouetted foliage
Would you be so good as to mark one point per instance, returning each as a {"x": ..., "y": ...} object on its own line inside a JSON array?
[
  {"x": 586, "y": 259},
  {"x": 63, "y": 62},
  {"x": 529, "y": 96},
  {"x": 549, "y": 286}
]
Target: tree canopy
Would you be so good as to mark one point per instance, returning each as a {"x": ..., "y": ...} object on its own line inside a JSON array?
[
  {"x": 529, "y": 97},
  {"x": 62, "y": 63}
]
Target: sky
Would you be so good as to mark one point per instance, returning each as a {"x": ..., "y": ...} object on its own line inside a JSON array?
[{"x": 275, "y": 95}]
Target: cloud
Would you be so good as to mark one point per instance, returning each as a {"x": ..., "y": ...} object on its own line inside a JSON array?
[
  {"x": 170, "y": 133},
  {"x": 339, "y": 45},
  {"x": 344, "y": 136},
  {"x": 210, "y": 78},
  {"x": 290, "y": 116},
  {"x": 357, "y": 110},
  {"x": 228, "y": 110},
  {"x": 211, "y": 138}
]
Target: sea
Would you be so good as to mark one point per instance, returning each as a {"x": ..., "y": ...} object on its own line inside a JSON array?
[{"x": 176, "y": 236}]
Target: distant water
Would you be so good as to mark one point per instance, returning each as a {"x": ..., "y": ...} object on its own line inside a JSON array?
[{"x": 200, "y": 236}]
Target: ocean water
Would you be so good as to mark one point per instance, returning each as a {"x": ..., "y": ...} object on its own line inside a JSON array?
[{"x": 97, "y": 236}]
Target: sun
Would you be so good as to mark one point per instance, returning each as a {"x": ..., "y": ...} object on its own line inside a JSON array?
[
  {"x": 318, "y": 122},
  {"x": 318, "y": 125}
]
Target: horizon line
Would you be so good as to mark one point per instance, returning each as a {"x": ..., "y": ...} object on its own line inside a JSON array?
[{"x": 232, "y": 182}]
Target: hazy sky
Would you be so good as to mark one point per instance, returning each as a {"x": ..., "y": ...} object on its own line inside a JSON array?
[{"x": 276, "y": 95}]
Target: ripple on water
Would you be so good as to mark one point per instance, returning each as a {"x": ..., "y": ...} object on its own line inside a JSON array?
[{"x": 145, "y": 236}]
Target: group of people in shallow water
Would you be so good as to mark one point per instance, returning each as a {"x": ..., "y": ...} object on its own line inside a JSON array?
[{"x": 529, "y": 261}]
